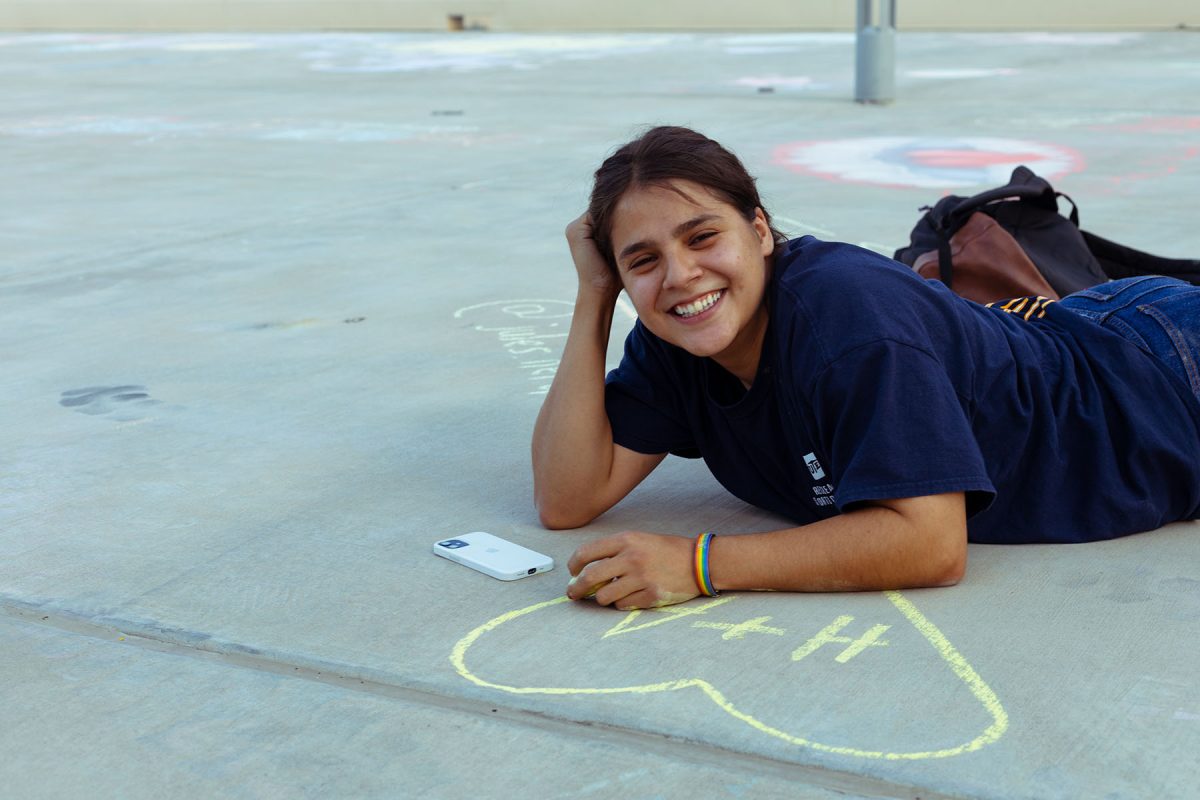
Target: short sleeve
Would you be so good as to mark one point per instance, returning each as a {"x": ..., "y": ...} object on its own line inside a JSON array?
[
  {"x": 642, "y": 398},
  {"x": 893, "y": 426}
]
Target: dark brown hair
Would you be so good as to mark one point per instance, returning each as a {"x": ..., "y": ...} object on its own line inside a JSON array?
[{"x": 666, "y": 154}]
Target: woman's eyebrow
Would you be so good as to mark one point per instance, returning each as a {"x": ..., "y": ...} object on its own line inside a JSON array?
[
  {"x": 694, "y": 222},
  {"x": 680, "y": 229}
]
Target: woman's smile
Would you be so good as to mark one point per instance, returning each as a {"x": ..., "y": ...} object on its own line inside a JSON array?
[{"x": 695, "y": 310}]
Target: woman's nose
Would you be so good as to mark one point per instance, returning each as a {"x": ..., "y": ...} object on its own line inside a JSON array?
[{"x": 680, "y": 271}]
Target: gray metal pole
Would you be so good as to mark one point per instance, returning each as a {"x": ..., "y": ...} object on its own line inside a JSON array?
[{"x": 875, "y": 53}]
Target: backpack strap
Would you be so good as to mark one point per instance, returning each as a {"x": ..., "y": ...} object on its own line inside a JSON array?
[
  {"x": 1023, "y": 185},
  {"x": 946, "y": 263},
  {"x": 1074, "y": 215},
  {"x": 1122, "y": 261}
]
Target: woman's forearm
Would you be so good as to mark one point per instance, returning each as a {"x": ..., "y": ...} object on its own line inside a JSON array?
[
  {"x": 572, "y": 440},
  {"x": 914, "y": 542},
  {"x": 897, "y": 544}
]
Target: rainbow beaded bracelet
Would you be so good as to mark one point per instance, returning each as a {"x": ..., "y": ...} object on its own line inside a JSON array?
[{"x": 703, "y": 580}]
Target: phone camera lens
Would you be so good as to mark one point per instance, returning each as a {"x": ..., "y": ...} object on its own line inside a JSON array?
[{"x": 531, "y": 570}]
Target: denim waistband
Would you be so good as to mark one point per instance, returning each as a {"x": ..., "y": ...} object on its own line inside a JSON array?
[{"x": 1161, "y": 316}]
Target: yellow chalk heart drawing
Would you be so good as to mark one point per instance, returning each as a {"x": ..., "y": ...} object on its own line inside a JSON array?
[{"x": 949, "y": 654}]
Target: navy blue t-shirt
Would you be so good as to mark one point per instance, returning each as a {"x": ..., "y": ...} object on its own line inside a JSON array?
[{"x": 876, "y": 384}]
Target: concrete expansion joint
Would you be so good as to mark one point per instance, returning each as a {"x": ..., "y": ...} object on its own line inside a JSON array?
[{"x": 356, "y": 678}]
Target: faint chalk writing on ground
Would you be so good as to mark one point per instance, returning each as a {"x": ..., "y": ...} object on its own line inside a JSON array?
[
  {"x": 532, "y": 334},
  {"x": 531, "y": 331},
  {"x": 124, "y": 403},
  {"x": 856, "y": 646}
]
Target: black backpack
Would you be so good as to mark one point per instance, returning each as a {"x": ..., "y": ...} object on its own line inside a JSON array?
[{"x": 1068, "y": 257}]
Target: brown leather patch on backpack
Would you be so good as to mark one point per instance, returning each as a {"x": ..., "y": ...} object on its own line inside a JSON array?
[{"x": 989, "y": 265}]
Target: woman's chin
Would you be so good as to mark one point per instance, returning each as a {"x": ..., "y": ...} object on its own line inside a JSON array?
[
  {"x": 702, "y": 341},
  {"x": 706, "y": 347}
]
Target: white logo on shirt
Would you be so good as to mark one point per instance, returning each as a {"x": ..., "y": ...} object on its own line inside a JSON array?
[{"x": 814, "y": 466}]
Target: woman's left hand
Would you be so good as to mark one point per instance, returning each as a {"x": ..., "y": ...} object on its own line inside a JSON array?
[{"x": 634, "y": 570}]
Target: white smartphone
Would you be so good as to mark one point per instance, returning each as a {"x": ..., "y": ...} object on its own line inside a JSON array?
[{"x": 493, "y": 556}]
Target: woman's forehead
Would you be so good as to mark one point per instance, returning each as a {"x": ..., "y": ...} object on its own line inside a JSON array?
[{"x": 660, "y": 203}]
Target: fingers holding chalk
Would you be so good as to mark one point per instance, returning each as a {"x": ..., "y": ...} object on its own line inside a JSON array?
[
  {"x": 589, "y": 576},
  {"x": 592, "y": 591}
]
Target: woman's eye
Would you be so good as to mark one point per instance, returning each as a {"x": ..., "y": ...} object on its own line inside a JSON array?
[
  {"x": 641, "y": 262},
  {"x": 702, "y": 237}
]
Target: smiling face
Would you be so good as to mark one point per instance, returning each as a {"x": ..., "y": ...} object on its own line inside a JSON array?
[{"x": 696, "y": 271}]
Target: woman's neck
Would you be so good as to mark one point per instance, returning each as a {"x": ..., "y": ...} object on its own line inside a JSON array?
[{"x": 741, "y": 358}]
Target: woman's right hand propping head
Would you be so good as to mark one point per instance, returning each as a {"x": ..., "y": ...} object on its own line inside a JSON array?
[{"x": 593, "y": 270}]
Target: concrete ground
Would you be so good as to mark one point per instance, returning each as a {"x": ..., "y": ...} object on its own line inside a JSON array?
[{"x": 278, "y": 312}]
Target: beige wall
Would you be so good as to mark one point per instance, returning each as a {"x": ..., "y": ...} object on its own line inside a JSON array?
[{"x": 535, "y": 15}]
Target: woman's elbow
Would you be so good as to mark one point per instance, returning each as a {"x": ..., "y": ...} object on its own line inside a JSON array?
[
  {"x": 952, "y": 572},
  {"x": 560, "y": 516},
  {"x": 553, "y": 522},
  {"x": 937, "y": 530},
  {"x": 951, "y": 564}
]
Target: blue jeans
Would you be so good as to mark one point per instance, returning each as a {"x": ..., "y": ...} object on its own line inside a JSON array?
[{"x": 1159, "y": 315}]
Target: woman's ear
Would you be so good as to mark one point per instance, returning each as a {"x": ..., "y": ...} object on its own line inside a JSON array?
[{"x": 765, "y": 237}]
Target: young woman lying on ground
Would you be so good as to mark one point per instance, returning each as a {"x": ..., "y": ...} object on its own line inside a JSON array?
[{"x": 890, "y": 419}]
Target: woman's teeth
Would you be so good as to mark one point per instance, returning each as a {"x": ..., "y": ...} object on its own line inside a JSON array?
[{"x": 696, "y": 306}]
